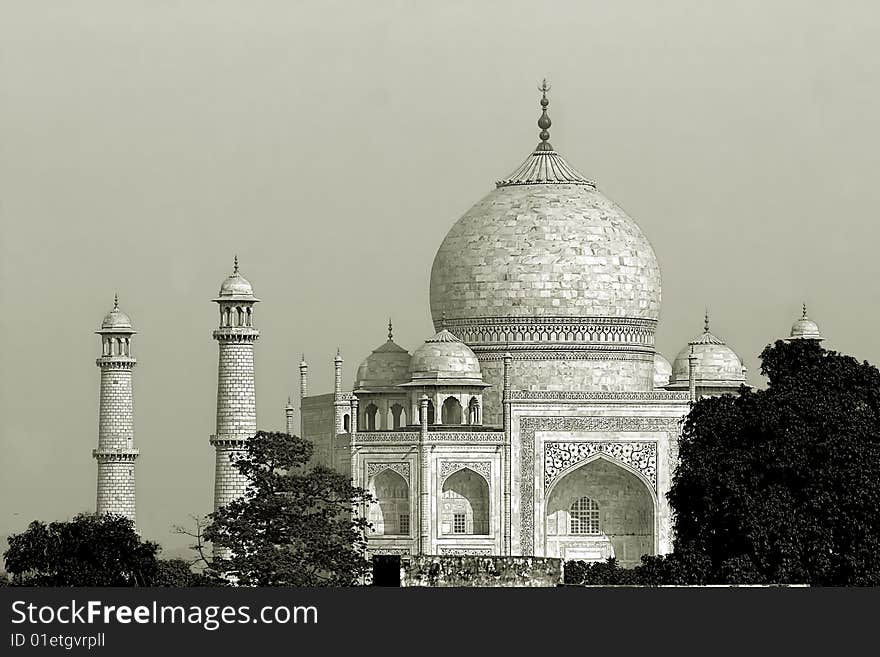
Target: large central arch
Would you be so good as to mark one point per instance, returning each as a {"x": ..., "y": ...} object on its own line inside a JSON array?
[{"x": 618, "y": 498}]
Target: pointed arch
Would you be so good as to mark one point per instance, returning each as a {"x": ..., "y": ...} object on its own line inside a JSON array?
[
  {"x": 371, "y": 413},
  {"x": 390, "y": 512},
  {"x": 451, "y": 412},
  {"x": 599, "y": 508},
  {"x": 465, "y": 503}
]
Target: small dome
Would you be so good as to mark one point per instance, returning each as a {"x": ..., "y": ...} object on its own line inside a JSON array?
[
  {"x": 116, "y": 320},
  {"x": 236, "y": 287},
  {"x": 805, "y": 328},
  {"x": 662, "y": 370},
  {"x": 385, "y": 367},
  {"x": 445, "y": 359},
  {"x": 716, "y": 362}
]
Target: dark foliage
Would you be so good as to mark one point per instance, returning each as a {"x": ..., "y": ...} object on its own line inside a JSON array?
[
  {"x": 777, "y": 486},
  {"x": 178, "y": 573},
  {"x": 89, "y": 550},
  {"x": 783, "y": 485},
  {"x": 295, "y": 526}
]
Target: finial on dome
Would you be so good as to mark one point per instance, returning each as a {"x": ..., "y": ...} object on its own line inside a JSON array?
[
  {"x": 443, "y": 321},
  {"x": 235, "y": 267},
  {"x": 544, "y": 122},
  {"x": 706, "y": 321},
  {"x": 804, "y": 316},
  {"x": 390, "y": 331},
  {"x": 116, "y": 301}
]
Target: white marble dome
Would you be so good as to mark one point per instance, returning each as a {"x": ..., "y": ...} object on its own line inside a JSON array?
[
  {"x": 385, "y": 367},
  {"x": 545, "y": 250},
  {"x": 716, "y": 362},
  {"x": 805, "y": 328},
  {"x": 444, "y": 358},
  {"x": 116, "y": 320},
  {"x": 236, "y": 287}
]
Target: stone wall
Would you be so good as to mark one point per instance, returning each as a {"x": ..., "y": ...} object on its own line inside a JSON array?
[{"x": 492, "y": 571}]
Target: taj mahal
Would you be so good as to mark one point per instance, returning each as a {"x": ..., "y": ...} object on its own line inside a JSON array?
[{"x": 538, "y": 420}]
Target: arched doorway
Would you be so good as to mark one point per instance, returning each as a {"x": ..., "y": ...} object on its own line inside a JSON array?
[
  {"x": 389, "y": 513},
  {"x": 370, "y": 414},
  {"x": 598, "y": 510},
  {"x": 464, "y": 507},
  {"x": 451, "y": 411},
  {"x": 397, "y": 416},
  {"x": 431, "y": 416}
]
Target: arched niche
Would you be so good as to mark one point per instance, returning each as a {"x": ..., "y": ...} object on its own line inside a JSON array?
[
  {"x": 390, "y": 512},
  {"x": 464, "y": 504},
  {"x": 371, "y": 414},
  {"x": 451, "y": 413},
  {"x": 626, "y": 511},
  {"x": 398, "y": 416},
  {"x": 474, "y": 411}
]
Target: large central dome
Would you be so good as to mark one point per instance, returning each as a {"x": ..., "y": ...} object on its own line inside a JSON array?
[
  {"x": 545, "y": 250},
  {"x": 548, "y": 268}
]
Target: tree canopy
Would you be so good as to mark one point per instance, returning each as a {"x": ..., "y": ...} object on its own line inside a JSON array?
[
  {"x": 783, "y": 485},
  {"x": 294, "y": 526},
  {"x": 90, "y": 550}
]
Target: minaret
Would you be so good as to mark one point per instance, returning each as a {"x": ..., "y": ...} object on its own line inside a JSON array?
[
  {"x": 116, "y": 453},
  {"x": 288, "y": 416},
  {"x": 236, "y": 398},
  {"x": 303, "y": 393},
  {"x": 340, "y": 403}
]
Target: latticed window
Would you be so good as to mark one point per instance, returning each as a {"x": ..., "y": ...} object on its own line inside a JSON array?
[
  {"x": 404, "y": 523},
  {"x": 458, "y": 523},
  {"x": 584, "y": 517}
]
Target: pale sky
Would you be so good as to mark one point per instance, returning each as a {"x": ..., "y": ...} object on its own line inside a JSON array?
[{"x": 331, "y": 145}]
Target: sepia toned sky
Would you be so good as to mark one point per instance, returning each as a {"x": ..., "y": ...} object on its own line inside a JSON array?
[{"x": 331, "y": 145}]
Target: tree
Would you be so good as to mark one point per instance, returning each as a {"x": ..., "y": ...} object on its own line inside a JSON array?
[
  {"x": 178, "y": 573},
  {"x": 90, "y": 550},
  {"x": 293, "y": 527},
  {"x": 783, "y": 485}
]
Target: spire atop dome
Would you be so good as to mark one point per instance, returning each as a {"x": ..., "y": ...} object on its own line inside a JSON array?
[
  {"x": 235, "y": 265},
  {"x": 545, "y": 165},
  {"x": 707, "y": 337},
  {"x": 804, "y": 315},
  {"x": 544, "y": 122},
  {"x": 116, "y": 303},
  {"x": 390, "y": 331}
]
